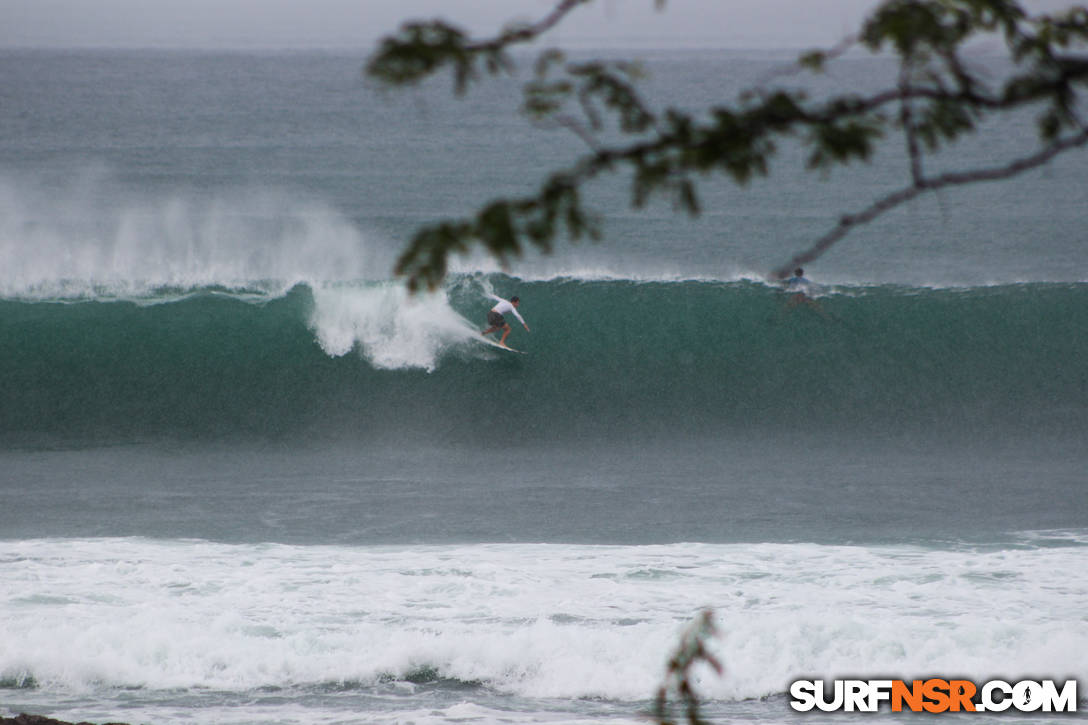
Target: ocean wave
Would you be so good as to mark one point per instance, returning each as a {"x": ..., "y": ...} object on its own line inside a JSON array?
[
  {"x": 605, "y": 358},
  {"x": 534, "y": 621}
]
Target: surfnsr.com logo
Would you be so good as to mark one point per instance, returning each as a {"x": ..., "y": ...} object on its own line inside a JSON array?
[{"x": 934, "y": 695}]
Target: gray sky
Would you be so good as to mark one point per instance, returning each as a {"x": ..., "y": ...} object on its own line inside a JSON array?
[
  {"x": 357, "y": 23},
  {"x": 354, "y": 23}
]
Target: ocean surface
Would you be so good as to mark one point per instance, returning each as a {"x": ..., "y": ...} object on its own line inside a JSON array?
[{"x": 245, "y": 478}]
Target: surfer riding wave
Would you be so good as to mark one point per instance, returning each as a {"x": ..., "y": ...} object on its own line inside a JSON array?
[{"x": 496, "y": 316}]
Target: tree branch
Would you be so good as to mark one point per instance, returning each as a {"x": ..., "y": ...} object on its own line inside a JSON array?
[
  {"x": 420, "y": 49},
  {"x": 891, "y": 201},
  {"x": 528, "y": 32},
  {"x": 814, "y": 60},
  {"x": 908, "y": 126},
  {"x": 573, "y": 125},
  {"x": 936, "y": 100},
  {"x": 679, "y": 678}
]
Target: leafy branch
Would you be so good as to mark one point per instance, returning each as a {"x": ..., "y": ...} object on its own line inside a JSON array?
[
  {"x": 678, "y": 678},
  {"x": 923, "y": 185},
  {"x": 936, "y": 99},
  {"x": 421, "y": 48}
]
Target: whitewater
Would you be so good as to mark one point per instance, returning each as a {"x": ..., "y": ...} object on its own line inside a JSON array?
[
  {"x": 165, "y": 626},
  {"x": 245, "y": 477}
]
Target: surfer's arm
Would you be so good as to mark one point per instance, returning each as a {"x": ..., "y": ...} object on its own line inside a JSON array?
[{"x": 520, "y": 319}]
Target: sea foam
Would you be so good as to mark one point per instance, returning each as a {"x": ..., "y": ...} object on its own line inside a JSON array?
[
  {"x": 390, "y": 327},
  {"x": 539, "y": 621}
]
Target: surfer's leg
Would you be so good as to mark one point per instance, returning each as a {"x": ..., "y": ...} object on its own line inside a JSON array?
[
  {"x": 495, "y": 320},
  {"x": 505, "y": 332}
]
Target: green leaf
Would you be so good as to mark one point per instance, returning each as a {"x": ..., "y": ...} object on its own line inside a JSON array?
[{"x": 813, "y": 60}]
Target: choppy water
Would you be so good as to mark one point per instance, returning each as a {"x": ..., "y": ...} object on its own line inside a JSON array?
[{"x": 234, "y": 633}]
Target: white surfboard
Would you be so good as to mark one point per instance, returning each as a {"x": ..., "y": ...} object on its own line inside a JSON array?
[{"x": 492, "y": 343}]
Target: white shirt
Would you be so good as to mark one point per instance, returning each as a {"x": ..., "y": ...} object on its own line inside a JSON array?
[{"x": 505, "y": 307}]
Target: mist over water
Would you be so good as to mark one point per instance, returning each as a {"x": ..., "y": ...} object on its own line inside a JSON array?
[{"x": 89, "y": 237}]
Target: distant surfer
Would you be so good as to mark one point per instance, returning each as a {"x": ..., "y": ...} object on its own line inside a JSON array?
[
  {"x": 496, "y": 319},
  {"x": 797, "y": 283},
  {"x": 799, "y": 287}
]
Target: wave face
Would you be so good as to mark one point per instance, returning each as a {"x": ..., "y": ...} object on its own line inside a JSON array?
[{"x": 606, "y": 359}]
